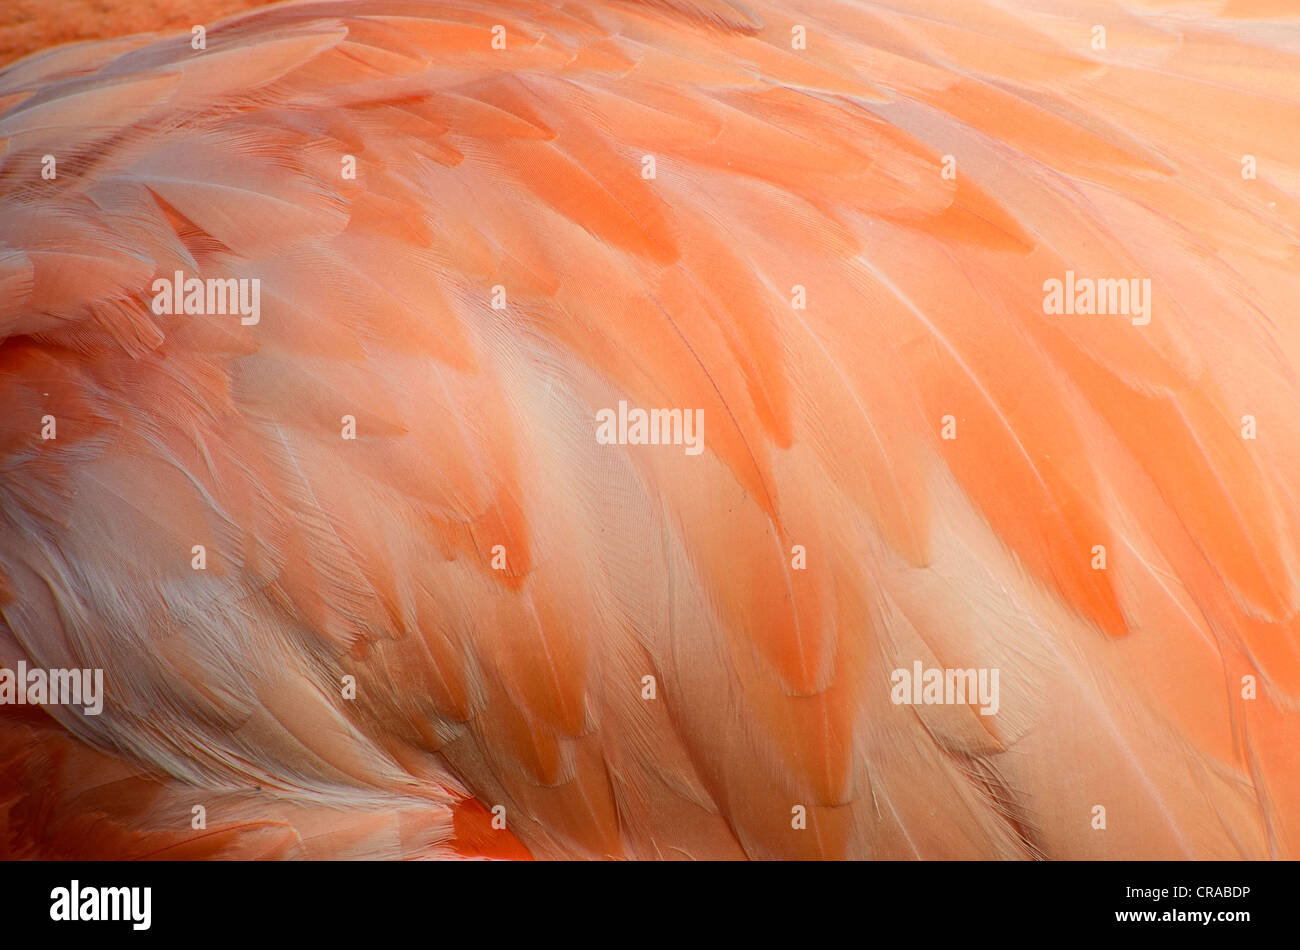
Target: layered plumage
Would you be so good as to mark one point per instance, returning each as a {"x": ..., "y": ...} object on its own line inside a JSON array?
[{"x": 499, "y": 584}]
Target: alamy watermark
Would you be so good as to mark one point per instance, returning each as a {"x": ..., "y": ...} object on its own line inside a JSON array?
[
  {"x": 651, "y": 427},
  {"x": 946, "y": 687},
  {"x": 56, "y": 687},
  {"x": 214, "y": 295},
  {"x": 1120, "y": 296},
  {"x": 74, "y": 902}
]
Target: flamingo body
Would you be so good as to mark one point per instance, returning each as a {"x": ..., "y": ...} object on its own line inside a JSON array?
[{"x": 838, "y": 254}]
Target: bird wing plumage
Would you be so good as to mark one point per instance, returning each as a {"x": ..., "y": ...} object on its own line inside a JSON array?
[{"x": 498, "y": 585}]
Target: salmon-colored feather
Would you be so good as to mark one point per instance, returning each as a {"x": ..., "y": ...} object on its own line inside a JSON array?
[{"x": 634, "y": 650}]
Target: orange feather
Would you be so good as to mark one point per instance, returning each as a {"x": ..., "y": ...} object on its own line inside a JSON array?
[{"x": 365, "y": 581}]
